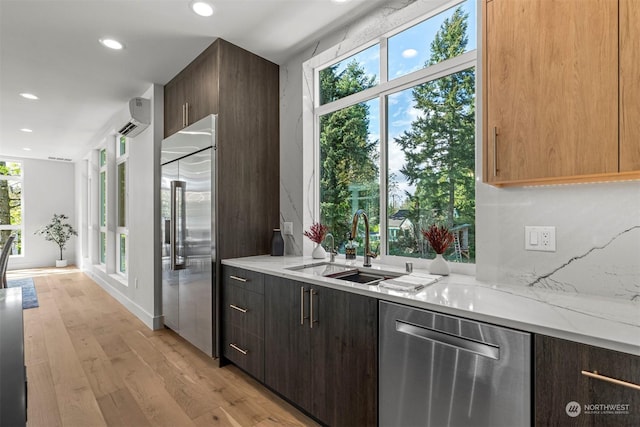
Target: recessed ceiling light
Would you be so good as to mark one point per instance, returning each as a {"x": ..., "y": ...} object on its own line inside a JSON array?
[
  {"x": 27, "y": 149},
  {"x": 26, "y": 130},
  {"x": 111, "y": 44},
  {"x": 202, "y": 8},
  {"x": 29, "y": 96},
  {"x": 340, "y": 1}
]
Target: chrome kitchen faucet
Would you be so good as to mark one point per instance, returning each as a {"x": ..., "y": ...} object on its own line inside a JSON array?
[{"x": 368, "y": 255}]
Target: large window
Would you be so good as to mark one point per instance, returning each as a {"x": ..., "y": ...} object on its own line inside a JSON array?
[
  {"x": 122, "y": 197},
  {"x": 102, "y": 200},
  {"x": 11, "y": 204},
  {"x": 400, "y": 144}
]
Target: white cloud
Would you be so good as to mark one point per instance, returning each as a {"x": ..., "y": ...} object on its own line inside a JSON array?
[{"x": 409, "y": 53}]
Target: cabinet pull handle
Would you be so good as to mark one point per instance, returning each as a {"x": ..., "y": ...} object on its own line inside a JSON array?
[
  {"x": 235, "y": 307},
  {"x": 239, "y": 279},
  {"x": 312, "y": 321},
  {"x": 597, "y": 376},
  {"x": 187, "y": 110},
  {"x": 302, "y": 316},
  {"x": 183, "y": 116},
  {"x": 235, "y": 347},
  {"x": 495, "y": 151}
]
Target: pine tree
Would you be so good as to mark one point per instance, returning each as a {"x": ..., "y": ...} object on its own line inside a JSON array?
[
  {"x": 348, "y": 159},
  {"x": 439, "y": 148}
]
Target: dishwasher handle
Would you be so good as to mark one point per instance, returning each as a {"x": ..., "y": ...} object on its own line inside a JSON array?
[{"x": 486, "y": 350}]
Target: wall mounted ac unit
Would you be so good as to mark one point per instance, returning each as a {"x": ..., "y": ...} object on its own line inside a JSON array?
[{"x": 139, "y": 117}]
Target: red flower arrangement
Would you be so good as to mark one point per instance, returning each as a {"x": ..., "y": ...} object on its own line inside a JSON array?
[
  {"x": 439, "y": 237},
  {"x": 317, "y": 232}
]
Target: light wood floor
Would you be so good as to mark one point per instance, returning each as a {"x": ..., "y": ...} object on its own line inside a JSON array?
[{"x": 92, "y": 363}]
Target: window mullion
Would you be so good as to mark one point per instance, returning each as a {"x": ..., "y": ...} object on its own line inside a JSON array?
[
  {"x": 433, "y": 72},
  {"x": 384, "y": 69},
  {"x": 384, "y": 172}
]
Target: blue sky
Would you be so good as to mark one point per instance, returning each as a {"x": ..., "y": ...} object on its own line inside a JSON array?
[{"x": 408, "y": 52}]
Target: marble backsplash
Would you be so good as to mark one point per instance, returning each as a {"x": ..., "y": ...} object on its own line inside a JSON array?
[{"x": 597, "y": 225}]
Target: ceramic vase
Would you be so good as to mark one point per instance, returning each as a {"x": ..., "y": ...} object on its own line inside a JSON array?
[
  {"x": 439, "y": 266},
  {"x": 319, "y": 252},
  {"x": 277, "y": 243},
  {"x": 61, "y": 263}
]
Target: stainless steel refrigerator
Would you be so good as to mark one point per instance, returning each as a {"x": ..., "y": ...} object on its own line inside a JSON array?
[{"x": 188, "y": 233}]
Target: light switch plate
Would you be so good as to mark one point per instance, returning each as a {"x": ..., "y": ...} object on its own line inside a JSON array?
[
  {"x": 540, "y": 238},
  {"x": 287, "y": 228}
]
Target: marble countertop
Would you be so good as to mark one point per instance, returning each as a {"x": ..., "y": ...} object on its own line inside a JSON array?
[{"x": 598, "y": 321}]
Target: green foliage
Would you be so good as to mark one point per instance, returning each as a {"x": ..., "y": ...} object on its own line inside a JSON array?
[
  {"x": 58, "y": 231},
  {"x": 348, "y": 160},
  {"x": 439, "y": 148},
  {"x": 10, "y": 201}
]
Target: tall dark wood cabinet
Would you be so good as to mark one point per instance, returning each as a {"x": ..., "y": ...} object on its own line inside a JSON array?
[
  {"x": 243, "y": 90},
  {"x": 321, "y": 350},
  {"x": 565, "y": 396}
]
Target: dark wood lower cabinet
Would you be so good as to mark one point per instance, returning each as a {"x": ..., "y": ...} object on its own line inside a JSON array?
[
  {"x": 564, "y": 396},
  {"x": 243, "y": 319},
  {"x": 321, "y": 350}
]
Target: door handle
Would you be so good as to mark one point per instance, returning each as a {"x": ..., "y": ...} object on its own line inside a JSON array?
[
  {"x": 616, "y": 381},
  {"x": 495, "y": 151},
  {"x": 175, "y": 211},
  {"x": 482, "y": 349},
  {"x": 235, "y": 347},
  {"x": 302, "y": 316},
  {"x": 235, "y": 307}
]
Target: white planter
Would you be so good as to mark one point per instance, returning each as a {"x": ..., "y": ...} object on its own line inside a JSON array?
[
  {"x": 439, "y": 266},
  {"x": 319, "y": 252},
  {"x": 61, "y": 263}
]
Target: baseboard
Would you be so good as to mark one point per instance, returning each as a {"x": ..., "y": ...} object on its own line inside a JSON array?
[{"x": 107, "y": 283}]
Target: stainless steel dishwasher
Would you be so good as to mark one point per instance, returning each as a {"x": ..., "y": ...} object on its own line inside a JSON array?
[{"x": 440, "y": 370}]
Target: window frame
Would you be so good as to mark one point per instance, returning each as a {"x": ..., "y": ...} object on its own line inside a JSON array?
[
  {"x": 122, "y": 158},
  {"x": 19, "y": 228},
  {"x": 103, "y": 204},
  {"x": 382, "y": 90}
]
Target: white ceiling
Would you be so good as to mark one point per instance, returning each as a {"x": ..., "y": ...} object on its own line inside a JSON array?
[{"x": 50, "y": 48}]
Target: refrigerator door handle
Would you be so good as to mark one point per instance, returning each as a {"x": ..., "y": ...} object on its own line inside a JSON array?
[
  {"x": 178, "y": 255},
  {"x": 461, "y": 343}
]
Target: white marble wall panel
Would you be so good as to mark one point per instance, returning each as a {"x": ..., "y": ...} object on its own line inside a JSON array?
[
  {"x": 597, "y": 225},
  {"x": 597, "y": 237}
]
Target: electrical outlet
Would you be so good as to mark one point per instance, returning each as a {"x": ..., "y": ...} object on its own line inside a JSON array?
[
  {"x": 538, "y": 238},
  {"x": 287, "y": 228}
]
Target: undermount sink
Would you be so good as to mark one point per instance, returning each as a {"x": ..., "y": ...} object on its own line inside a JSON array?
[
  {"x": 347, "y": 273},
  {"x": 362, "y": 277}
]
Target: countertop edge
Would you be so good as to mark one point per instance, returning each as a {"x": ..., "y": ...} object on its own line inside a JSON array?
[{"x": 257, "y": 264}]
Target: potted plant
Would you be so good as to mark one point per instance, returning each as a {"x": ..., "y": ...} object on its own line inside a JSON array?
[
  {"x": 439, "y": 237},
  {"x": 58, "y": 231},
  {"x": 316, "y": 234}
]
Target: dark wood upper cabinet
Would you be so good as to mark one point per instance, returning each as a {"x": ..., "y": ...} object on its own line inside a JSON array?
[
  {"x": 565, "y": 396},
  {"x": 193, "y": 93}
]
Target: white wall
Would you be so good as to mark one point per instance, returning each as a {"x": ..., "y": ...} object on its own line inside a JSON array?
[
  {"x": 48, "y": 188},
  {"x": 598, "y": 225},
  {"x": 140, "y": 291}
]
